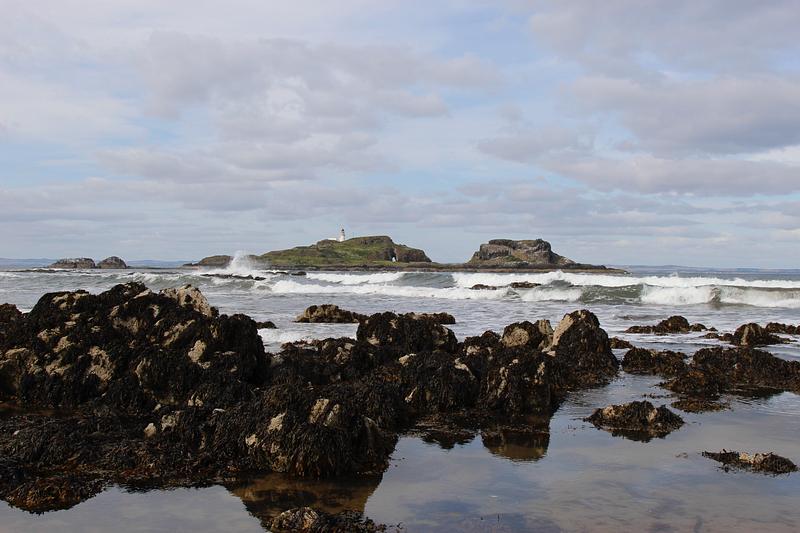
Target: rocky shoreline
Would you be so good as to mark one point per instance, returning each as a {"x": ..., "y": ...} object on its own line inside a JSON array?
[{"x": 134, "y": 387}]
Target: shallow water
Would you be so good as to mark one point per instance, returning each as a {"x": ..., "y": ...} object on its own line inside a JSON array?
[{"x": 574, "y": 477}]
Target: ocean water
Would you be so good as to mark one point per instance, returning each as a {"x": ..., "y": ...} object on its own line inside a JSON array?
[{"x": 570, "y": 477}]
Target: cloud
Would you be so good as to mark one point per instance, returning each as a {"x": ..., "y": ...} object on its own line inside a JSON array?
[
  {"x": 714, "y": 116},
  {"x": 705, "y": 177}
]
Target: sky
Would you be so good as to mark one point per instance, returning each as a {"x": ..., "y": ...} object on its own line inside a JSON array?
[{"x": 624, "y": 132}]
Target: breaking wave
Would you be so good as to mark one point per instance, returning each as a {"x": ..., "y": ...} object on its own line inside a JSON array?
[
  {"x": 448, "y": 293},
  {"x": 357, "y": 279}
]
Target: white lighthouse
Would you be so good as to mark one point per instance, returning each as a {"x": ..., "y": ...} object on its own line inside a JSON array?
[{"x": 341, "y": 235}]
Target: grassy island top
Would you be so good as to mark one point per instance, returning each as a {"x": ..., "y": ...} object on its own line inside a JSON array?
[{"x": 380, "y": 252}]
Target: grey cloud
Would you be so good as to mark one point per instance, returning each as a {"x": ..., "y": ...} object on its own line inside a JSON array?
[
  {"x": 631, "y": 37},
  {"x": 714, "y": 116},
  {"x": 710, "y": 177}
]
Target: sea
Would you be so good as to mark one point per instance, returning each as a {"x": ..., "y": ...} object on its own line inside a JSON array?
[{"x": 568, "y": 477}]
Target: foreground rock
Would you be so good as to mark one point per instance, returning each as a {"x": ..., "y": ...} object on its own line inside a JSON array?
[
  {"x": 636, "y": 420},
  {"x": 329, "y": 314},
  {"x": 765, "y": 463},
  {"x": 716, "y": 370},
  {"x": 161, "y": 389},
  {"x": 644, "y": 361},
  {"x": 673, "y": 324},
  {"x": 74, "y": 263},
  {"x": 112, "y": 262}
]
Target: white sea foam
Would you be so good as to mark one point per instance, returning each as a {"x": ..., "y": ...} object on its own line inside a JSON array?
[
  {"x": 356, "y": 279},
  {"x": 450, "y": 293},
  {"x": 552, "y": 294},
  {"x": 677, "y": 295},
  {"x": 463, "y": 279}
]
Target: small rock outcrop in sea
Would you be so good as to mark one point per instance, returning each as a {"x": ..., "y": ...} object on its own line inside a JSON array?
[
  {"x": 483, "y": 287},
  {"x": 787, "y": 329},
  {"x": 662, "y": 363},
  {"x": 754, "y": 335},
  {"x": 673, "y": 324},
  {"x": 501, "y": 252},
  {"x": 636, "y": 420},
  {"x": 619, "y": 344},
  {"x": 765, "y": 463},
  {"x": 112, "y": 262},
  {"x": 74, "y": 263},
  {"x": 266, "y": 324},
  {"x": 328, "y": 314},
  {"x": 440, "y": 318}
]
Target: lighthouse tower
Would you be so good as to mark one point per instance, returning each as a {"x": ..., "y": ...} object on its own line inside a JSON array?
[{"x": 341, "y": 235}]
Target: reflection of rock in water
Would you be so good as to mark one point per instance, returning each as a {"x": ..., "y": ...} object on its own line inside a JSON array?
[
  {"x": 267, "y": 496},
  {"x": 517, "y": 444}
]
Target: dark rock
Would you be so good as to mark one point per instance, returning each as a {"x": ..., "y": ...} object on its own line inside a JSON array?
[
  {"x": 754, "y": 335},
  {"x": 80, "y": 263},
  {"x": 437, "y": 382},
  {"x": 735, "y": 370},
  {"x": 643, "y": 361},
  {"x": 266, "y": 324},
  {"x": 112, "y": 262},
  {"x": 673, "y": 324},
  {"x": 617, "y": 343},
  {"x": 636, "y": 419},
  {"x": 765, "y": 463},
  {"x": 405, "y": 334},
  {"x": 788, "y": 329},
  {"x": 404, "y": 254},
  {"x": 329, "y": 314},
  {"x": 581, "y": 348},
  {"x": 439, "y": 318},
  {"x": 504, "y": 251},
  {"x": 699, "y": 405},
  {"x": 482, "y": 287},
  {"x": 299, "y": 273},
  {"x": 724, "y": 337},
  {"x": 524, "y": 285}
]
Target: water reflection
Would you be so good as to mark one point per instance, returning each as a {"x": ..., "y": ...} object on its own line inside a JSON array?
[{"x": 267, "y": 496}]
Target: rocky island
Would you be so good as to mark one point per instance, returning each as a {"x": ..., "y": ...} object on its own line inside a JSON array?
[
  {"x": 382, "y": 253},
  {"x": 85, "y": 263}
]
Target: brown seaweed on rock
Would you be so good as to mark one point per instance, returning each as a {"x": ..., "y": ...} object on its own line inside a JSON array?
[
  {"x": 636, "y": 420},
  {"x": 644, "y": 361},
  {"x": 673, "y": 324},
  {"x": 159, "y": 389},
  {"x": 765, "y": 463}
]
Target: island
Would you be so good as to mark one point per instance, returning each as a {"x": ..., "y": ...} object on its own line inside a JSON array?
[{"x": 380, "y": 252}]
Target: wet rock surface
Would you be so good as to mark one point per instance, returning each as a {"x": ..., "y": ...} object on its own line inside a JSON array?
[
  {"x": 716, "y": 370},
  {"x": 662, "y": 363},
  {"x": 620, "y": 344},
  {"x": 673, "y": 324},
  {"x": 329, "y": 314},
  {"x": 754, "y": 335},
  {"x": 131, "y": 386},
  {"x": 765, "y": 463},
  {"x": 639, "y": 420}
]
